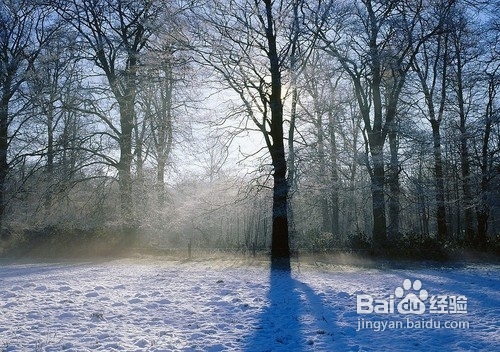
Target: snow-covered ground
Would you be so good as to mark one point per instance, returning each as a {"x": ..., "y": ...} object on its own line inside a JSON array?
[{"x": 150, "y": 304}]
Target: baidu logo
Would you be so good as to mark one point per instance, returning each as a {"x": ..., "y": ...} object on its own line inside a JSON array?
[
  {"x": 411, "y": 298},
  {"x": 411, "y": 303}
]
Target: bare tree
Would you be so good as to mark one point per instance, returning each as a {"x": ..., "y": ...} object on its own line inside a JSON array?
[
  {"x": 25, "y": 28},
  {"x": 489, "y": 147},
  {"x": 462, "y": 76},
  {"x": 114, "y": 33},
  {"x": 320, "y": 105},
  {"x": 52, "y": 82},
  {"x": 487, "y": 157},
  {"x": 431, "y": 67},
  {"x": 375, "y": 43},
  {"x": 158, "y": 105},
  {"x": 248, "y": 44}
]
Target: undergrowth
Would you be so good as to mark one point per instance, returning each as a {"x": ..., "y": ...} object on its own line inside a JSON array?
[{"x": 63, "y": 242}]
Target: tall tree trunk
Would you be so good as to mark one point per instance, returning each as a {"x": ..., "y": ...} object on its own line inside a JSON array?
[
  {"x": 322, "y": 173},
  {"x": 280, "y": 248},
  {"x": 124, "y": 167},
  {"x": 442, "y": 230},
  {"x": 464, "y": 157},
  {"x": 334, "y": 174},
  {"x": 458, "y": 204},
  {"x": 160, "y": 182},
  {"x": 139, "y": 186},
  {"x": 483, "y": 208},
  {"x": 394, "y": 188},
  {"x": 378, "y": 197},
  {"x": 291, "y": 178},
  {"x": 50, "y": 157},
  {"x": 4, "y": 165},
  {"x": 374, "y": 140},
  {"x": 376, "y": 136},
  {"x": 351, "y": 222},
  {"x": 139, "y": 164},
  {"x": 437, "y": 70},
  {"x": 422, "y": 206}
]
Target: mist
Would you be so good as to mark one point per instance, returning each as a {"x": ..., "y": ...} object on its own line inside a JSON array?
[{"x": 305, "y": 136}]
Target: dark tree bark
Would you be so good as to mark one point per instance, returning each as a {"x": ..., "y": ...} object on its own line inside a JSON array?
[
  {"x": 442, "y": 228},
  {"x": 250, "y": 56},
  {"x": 376, "y": 52},
  {"x": 157, "y": 100},
  {"x": 394, "y": 186},
  {"x": 19, "y": 49},
  {"x": 368, "y": 94},
  {"x": 435, "y": 70},
  {"x": 334, "y": 174},
  {"x": 48, "y": 82},
  {"x": 378, "y": 194},
  {"x": 280, "y": 248},
  {"x": 322, "y": 112},
  {"x": 465, "y": 168},
  {"x": 486, "y": 164},
  {"x": 4, "y": 146},
  {"x": 322, "y": 172},
  {"x": 124, "y": 165},
  {"x": 115, "y": 33}
]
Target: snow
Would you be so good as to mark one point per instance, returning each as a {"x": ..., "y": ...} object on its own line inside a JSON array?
[{"x": 153, "y": 304}]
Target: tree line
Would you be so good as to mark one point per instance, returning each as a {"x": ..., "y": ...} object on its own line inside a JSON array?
[{"x": 367, "y": 117}]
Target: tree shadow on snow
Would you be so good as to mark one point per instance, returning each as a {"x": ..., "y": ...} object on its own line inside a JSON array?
[
  {"x": 480, "y": 287},
  {"x": 294, "y": 318}
]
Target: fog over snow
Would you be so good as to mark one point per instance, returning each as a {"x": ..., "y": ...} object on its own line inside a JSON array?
[{"x": 152, "y": 304}]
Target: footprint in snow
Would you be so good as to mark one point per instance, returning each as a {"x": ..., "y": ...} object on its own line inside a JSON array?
[
  {"x": 164, "y": 301},
  {"x": 343, "y": 295},
  {"x": 97, "y": 316},
  {"x": 142, "y": 343}
]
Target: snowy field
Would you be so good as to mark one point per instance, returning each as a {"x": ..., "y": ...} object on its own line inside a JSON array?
[{"x": 150, "y": 304}]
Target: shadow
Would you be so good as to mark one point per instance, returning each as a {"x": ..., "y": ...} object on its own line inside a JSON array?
[
  {"x": 33, "y": 268},
  {"x": 295, "y": 318},
  {"x": 317, "y": 312},
  {"x": 481, "y": 287}
]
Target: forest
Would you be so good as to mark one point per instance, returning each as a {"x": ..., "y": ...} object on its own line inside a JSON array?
[{"x": 250, "y": 125}]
